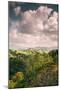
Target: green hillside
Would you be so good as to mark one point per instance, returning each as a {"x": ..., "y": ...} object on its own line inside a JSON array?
[{"x": 33, "y": 68}]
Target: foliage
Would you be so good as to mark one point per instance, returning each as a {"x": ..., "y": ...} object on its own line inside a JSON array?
[{"x": 32, "y": 68}]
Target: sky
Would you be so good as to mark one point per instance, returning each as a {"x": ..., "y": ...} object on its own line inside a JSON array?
[{"x": 32, "y": 25}]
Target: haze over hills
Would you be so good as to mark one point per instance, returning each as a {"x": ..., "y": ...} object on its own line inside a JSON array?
[{"x": 36, "y": 48}]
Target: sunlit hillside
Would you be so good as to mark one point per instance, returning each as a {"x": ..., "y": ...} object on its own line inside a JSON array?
[{"x": 33, "y": 68}]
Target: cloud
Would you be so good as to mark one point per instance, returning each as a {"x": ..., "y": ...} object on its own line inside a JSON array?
[
  {"x": 37, "y": 28},
  {"x": 17, "y": 10}
]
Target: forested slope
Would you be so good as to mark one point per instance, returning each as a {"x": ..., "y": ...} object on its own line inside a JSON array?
[{"x": 33, "y": 68}]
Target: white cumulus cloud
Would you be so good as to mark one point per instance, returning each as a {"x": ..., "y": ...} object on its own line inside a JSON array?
[
  {"x": 37, "y": 28},
  {"x": 17, "y": 10}
]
